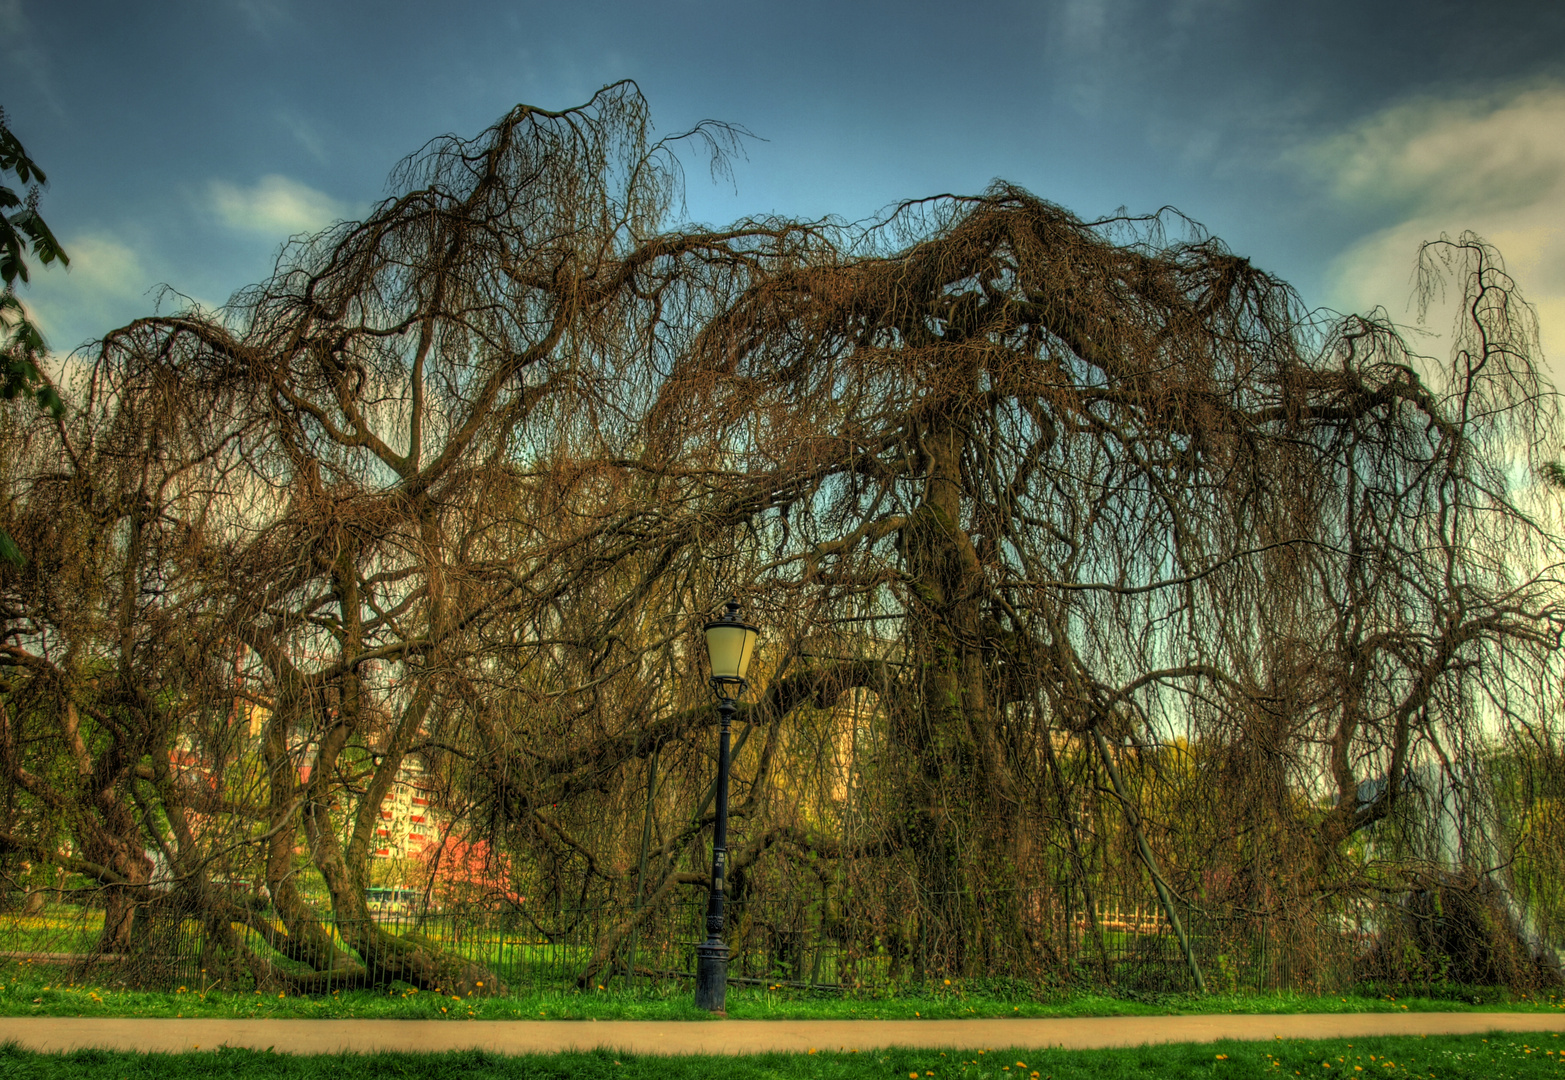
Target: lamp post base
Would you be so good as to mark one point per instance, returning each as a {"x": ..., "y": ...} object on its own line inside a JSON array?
[{"x": 711, "y": 975}]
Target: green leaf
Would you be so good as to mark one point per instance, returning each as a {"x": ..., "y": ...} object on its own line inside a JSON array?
[{"x": 9, "y": 552}]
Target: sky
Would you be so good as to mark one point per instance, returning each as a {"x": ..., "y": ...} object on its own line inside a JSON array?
[{"x": 185, "y": 141}]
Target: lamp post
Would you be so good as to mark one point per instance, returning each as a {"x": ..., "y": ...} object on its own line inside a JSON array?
[{"x": 730, "y": 643}]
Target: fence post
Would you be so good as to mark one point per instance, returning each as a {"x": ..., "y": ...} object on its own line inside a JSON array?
[{"x": 641, "y": 868}]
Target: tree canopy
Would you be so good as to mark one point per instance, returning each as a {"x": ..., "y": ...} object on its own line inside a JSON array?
[{"x": 1024, "y": 503}]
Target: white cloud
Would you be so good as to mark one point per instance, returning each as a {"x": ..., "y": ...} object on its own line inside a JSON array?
[
  {"x": 105, "y": 286},
  {"x": 274, "y": 206},
  {"x": 1492, "y": 165},
  {"x": 1455, "y": 154}
]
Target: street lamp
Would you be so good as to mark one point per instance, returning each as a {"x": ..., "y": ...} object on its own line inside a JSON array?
[{"x": 729, "y": 645}]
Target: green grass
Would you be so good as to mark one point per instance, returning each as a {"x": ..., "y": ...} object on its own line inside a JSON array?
[
  {"x": 1441, "y": 1057},
  {"x": 512, "y": 954},
  {"x": 33, "y": 990}
]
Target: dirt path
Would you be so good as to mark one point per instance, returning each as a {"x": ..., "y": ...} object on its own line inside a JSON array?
[{"x": 734, "y": 1036}]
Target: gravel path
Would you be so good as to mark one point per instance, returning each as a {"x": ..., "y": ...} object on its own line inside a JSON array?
[{"x": 734, "y": 1036}]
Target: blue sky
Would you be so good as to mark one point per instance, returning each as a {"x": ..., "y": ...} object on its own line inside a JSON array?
[{"x": 186, "y": 140}]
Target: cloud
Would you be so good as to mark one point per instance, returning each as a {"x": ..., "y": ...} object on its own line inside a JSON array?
[
  {"x": 263, "y": 17},
  {"x": 1454, "y": 155},
  {"x": 1494, "y": 165},
  {"x": 22, "y": 54},
  {"x": 275, "y": 206},
  {"x": 305, "y": 132},
  {"x": 105, "y": 286},
  {"x": 105, "y": 278}
]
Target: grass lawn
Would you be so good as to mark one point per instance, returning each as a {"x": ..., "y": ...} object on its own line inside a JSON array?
[
  {"x": 1440, "y": 1057},
  {"x": 29, "y": 990}
]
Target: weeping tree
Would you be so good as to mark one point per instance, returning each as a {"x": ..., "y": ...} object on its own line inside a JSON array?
[
  {"x": 339, "y": 459},
  {"x": 458, "y": 484},
  {"x": 1119, "y": 488},
  {"x": 1090, "y": 484}
]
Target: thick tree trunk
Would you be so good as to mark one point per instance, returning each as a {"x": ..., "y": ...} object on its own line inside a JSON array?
[
  {"x": 956, "y": 822},
  {"x": 303, "y": 938},
  {"x": 113, "y": 840}
]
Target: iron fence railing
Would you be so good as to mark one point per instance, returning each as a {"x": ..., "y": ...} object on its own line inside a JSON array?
[{"x": 1125, "y": 943}]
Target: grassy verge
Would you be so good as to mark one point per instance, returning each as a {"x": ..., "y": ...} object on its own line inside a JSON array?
[
  {"x": 26, "y": 990},
  {"x": 1440, "y": 1057}
]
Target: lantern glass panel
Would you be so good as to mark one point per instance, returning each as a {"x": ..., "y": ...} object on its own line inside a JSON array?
[{"x": 730, "y": 646}]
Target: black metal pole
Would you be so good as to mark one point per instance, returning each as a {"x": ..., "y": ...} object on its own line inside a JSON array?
[{"x": 712, "y": 954}]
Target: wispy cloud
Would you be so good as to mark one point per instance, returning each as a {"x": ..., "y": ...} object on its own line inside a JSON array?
[
  {"x": 305, "y": 132},
  {"x": 105, "y": 286},
  {"x": 275, "y": 206},
  {"x": 1458, "y": 155},
  {"x": 1494, "y": 165},
  {"x": 264, "y": 17},
  {"x": 23, "y": 58}
]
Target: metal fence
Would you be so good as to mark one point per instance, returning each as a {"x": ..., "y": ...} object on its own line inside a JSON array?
[{"x": 1125, "y": 943}]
